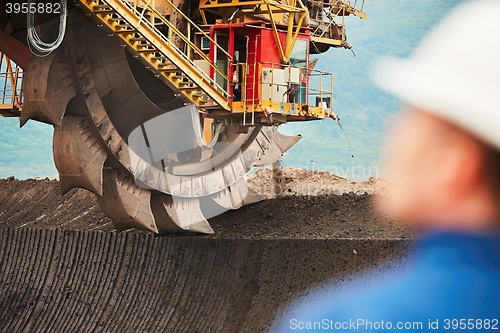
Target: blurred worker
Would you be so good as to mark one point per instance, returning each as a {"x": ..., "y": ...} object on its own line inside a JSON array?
[
  {"x": 444, "y": 163},
  {"x": 292, "y": 93}
]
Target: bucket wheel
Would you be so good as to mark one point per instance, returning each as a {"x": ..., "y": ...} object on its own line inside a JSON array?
[{"x": 125, "y": 136}]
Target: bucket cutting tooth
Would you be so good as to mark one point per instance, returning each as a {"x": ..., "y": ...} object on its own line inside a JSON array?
[
  {"x": 48, "y": 87},
  {"x": 280, "y": 144},
  {"x": 127, "y": 204},
  {"x": 174, "y": 214},
  {"x": 237, "y": 195},
  {"x": 78, "y": 155}
]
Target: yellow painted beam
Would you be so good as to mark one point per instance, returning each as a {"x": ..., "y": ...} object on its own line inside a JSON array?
[
  {"x": 333, "y": 42},
  {"x": 303, "y": 110},
  {"x": 275, "y": 32}
]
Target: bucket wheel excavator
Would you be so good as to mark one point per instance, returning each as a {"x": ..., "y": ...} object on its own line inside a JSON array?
[{"x": 160, "y": 107}]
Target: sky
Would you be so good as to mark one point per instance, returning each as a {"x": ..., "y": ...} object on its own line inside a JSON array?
[{"x": 393, "y": 28}]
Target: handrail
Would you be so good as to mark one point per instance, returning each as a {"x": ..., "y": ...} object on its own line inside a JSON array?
[
  {"x": 189, "y": 21},
  {"x": 311, "y": 90},
  {"x": 343, "y": 6},
  {"x": 180, "y": 35},
  {"x": 165, "y": 52},
  {"x": 164, "y": 20}
]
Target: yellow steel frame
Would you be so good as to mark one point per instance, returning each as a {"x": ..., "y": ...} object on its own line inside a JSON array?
[
  {"x": 200, "y": 84},
  {"x": 128, "y": 23},
  {"x": 253, "y": 105},
  {"x": 323, "y": 40},
  {"x": 214, "y": 4},
  {"x": 275, "y": 31},
  {"x": 11, "y": 94},
  {"x": 353, "y": 10},
  {"x": 270, "y": 8}
]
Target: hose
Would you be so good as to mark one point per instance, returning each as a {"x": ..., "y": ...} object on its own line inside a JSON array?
[
  {"x": 205, "y": 147},
  {"x": 44, "y": 49}
]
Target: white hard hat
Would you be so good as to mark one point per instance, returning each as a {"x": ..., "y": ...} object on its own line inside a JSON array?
[{"x": 455, "y": 71}]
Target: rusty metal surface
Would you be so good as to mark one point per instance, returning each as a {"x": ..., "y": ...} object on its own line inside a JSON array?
[
  {"x": 237, "y": 195},
  {"x": 48, "y": 88},
  {"x": 115, "y": 91},
  {"x": 78, "y": 155},
  {"x": 15, "y": 50},
  {"x": 125, "y": 203}
]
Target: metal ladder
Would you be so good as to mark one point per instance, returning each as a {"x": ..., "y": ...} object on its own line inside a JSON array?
[{"x": 138, "y": 32}]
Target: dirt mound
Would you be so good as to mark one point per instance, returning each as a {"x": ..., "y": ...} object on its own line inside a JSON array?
[
  {"x": 300, "y": 182},
  {"x": 306, "y": 204},
  {"x": 38, "y": 203}
]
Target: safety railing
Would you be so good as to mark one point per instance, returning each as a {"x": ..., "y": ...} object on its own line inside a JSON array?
[
  {"x": 312, "y": 83},
  {"x": 11, "y": 94},
  {"x": 140, "y": 7},
  {"x": 169, "y": 51},
  {"x": 320, "y": 80},
  {"x": 312, "y": 88}
]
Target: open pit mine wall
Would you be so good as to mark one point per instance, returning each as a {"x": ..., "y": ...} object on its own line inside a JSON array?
[{"x": 76, "y": 281}]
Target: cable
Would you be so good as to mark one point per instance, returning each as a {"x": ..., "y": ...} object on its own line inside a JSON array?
[
  {"x": 342, "y": 128},
  {"x": 34, "y": 40}
]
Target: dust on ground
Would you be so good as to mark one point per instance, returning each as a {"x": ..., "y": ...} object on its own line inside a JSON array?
[{"x": 288, "y": 181}]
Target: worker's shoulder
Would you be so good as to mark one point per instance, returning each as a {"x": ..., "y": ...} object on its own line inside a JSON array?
[
  {"x": 444, "y": 278},
  {"x": 437, "y": 282},
  {"x": 421, "y": 295}
]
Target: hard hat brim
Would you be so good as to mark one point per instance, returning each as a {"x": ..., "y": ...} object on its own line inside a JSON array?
[{"x": 442, "y": 93}]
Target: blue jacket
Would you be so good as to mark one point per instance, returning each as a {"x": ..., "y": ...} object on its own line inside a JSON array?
[{"x": 452, "y": 284}]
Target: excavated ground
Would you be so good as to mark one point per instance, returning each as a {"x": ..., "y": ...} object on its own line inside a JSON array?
[
  {"x": 64, "y": 269},
  {"x": 301, "y": 205}
]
